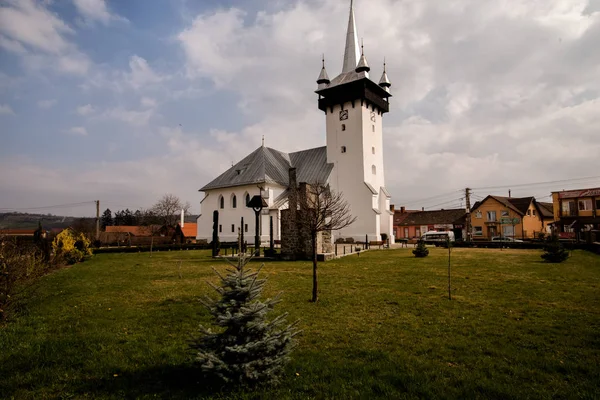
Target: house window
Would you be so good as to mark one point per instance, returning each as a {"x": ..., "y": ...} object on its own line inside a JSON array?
[
  {"x": 373, "y": 150},
  {"x": 504, "y": 213},
  {"x": 405, "y": 232},
  {"x": 245, "y": 227},
  {"x": 234, "y": 201},
  {"x": 374, "y": 169},
  {"x": 491, "y": 216},
  {"x": 597, "y": 204},
  {"x": 478, "y": 214},
  {"x": 220, "y": 228},
  {"x": 343, "y": 127},
  {"x": 247, "y": 199},
  {"x": 584, "y": 205},
  {"x": 232, "y": 228},
  {"x": 529, "y": 212},
  {"x": 533, "y": 212},
  {"x": 418, "y": 232},
  {"x": 477, "y": 231},
  {"x": 221, "y": 202},
  {"x": 343, "y": 149}
]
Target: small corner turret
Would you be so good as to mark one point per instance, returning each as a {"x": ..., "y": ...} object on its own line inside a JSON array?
[{"x": 323, "y": 79}]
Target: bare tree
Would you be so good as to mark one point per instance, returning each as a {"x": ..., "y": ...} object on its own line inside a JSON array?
[
  {"x": 323, "y": 211},
  {"x": 168, "y": 209}
]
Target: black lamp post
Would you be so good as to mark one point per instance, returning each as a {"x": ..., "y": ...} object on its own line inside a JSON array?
[{"x": 257, "y": 203}]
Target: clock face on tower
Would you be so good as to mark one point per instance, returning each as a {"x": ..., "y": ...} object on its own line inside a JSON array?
[
  {"x": 373, "y": 116},
  {"x": 343, "y": 115}
]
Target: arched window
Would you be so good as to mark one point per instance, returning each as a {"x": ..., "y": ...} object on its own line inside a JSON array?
[
  {"x": 221, "y": 202},
  {"x": 233, "y": 201},
  {"x": 343, "y": 127},
  {"x": 343, "y": 149},
  {"x": 374, "y": 169},
  {"x": 247, "y": 199},
  {"x": 373, "y": 150}
]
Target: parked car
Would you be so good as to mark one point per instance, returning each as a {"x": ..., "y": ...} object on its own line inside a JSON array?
[
  {"x": 505, "y": 239},
  {"x": 438, "y": 238}
]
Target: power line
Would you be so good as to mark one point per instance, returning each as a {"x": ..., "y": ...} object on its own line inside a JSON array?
[
  {"x": 573, "y": 180},
  {"x": 432, "y": 197}
]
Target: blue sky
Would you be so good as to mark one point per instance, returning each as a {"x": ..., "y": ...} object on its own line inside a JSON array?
[{"x": 124, "y": 101}]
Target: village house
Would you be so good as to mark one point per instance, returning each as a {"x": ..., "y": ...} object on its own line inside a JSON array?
[
  {"x": 576, "y": 211},
  {"x": 511, "y": 217},
  {"x": 413, "y": 224}
]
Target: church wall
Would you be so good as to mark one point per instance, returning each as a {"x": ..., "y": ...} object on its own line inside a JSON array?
[
  {"x": 229, "y": 216},
  {"x": 354, "y": 167}
]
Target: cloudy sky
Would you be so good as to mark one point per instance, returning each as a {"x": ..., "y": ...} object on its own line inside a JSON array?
[{"x": 124, "y": 101}]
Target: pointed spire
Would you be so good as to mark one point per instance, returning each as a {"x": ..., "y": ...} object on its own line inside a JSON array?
[
  {"x": 384, "y": 82},
  {"x": 363, "y": 65},
  {"x": 323, "y": 77},
  {"x": 351, "y": 54}
]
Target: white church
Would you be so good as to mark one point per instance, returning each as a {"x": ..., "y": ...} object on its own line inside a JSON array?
[{"x": 351, "y": 162}]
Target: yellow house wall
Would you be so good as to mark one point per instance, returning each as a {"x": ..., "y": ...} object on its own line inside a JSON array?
[
  {"x": 556, "y": 206},
  {"x": 532, "y": 224},
  {"x": 493, "y": 205}
]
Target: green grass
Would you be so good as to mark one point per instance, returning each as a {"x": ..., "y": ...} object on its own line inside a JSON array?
[{"x": 118, "y": 325}]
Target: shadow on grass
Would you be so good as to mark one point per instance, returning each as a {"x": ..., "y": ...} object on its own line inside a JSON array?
[{"x": 161, "y": 381}]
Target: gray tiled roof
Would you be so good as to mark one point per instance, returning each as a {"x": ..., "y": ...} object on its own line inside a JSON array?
[{"x": 266, "y": 165}]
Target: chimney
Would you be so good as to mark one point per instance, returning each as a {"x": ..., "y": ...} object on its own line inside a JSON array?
[
  {"x": 508, "y": 192},
  {"x": 402, "y": 209},
  {"x": 182, "y": 215},
  {"x": 422, "y": 208},
  {"x": 392, "y": 208}
]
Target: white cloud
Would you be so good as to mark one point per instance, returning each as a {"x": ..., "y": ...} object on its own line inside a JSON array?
[
  {"x": 49, "y": 103},
  {"x": 96, "y": 10},
  {"x": 131, "y": 117},
  {"x": 86, "y": 109},
  {"x": 141, "y": 73},
  {"x": 40, "y": 37},
  {"x": 148, "y": 102},
  {"x": 78, "y": 130},
  {"x": 6, "y": 109}
]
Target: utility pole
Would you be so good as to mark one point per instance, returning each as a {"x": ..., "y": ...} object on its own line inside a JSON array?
[
  {"x": 468, "y": 210},
  {"x": 97, "y": 219}
]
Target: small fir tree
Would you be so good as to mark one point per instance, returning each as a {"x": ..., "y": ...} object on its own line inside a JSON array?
[
  {"x": 247, "y": 349},
  {"x": 421, "y": 250},
  {"x": 554, "y": 251}
]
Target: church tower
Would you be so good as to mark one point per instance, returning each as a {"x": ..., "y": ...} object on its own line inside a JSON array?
[{"x": 354, "y": 106}]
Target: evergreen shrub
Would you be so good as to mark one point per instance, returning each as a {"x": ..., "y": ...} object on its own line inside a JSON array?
[
  {"x": 246, "y": 349},
  {"x": 421, "y": 250}
]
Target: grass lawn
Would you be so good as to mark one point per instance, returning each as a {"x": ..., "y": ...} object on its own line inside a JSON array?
[{"x": 117, "y": 326}]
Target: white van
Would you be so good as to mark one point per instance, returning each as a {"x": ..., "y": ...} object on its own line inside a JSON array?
[{"x": 437, "y": 238}]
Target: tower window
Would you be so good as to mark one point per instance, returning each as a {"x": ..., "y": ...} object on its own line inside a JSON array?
[
  {"x": 221, "y": 202},
  {"x": 232, "y": 228},
  {"x": 343, "y": 127},
  {"x": 373, "y": 128},
  {"x": 245, "y": 227},
  {"x": 220, "y": 228},
  {"x": 343, "y": 149},
  {"x": 373, "y": 150},
  {"x": 247, "y": 199},
  {"x": 234, "y": 201},
  {"x": 374, "y": 169}
]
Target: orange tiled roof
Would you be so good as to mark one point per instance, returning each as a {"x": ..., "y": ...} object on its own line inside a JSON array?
[{"x": 190, "y": 229}]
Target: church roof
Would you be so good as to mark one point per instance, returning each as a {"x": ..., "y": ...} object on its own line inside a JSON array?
[{"x": 266, "y": 165}]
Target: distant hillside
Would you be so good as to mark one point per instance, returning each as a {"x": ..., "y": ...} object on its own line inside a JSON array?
[
  {"x": 30, "y": 221},
  {"x": 15, "y": 220}
]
